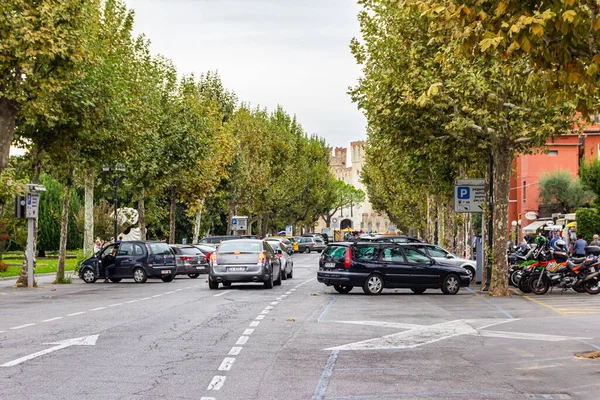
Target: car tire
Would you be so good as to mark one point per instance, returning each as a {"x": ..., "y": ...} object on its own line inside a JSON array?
[
  {"x": 115, "y": 280},
  {"x": 418, "y": 290},
  {"x": 227, "y": 284},
  {"x": 88, "y": 276},
  {"x": 193, "y": 276},
  {"x": 291, "y": 274},
  {"x": 168, "y": 278},
  {"x": 212, "y": 285},
  {"x": 139, "y": 275},
  {"x": 269, "y": 283},
  {"x": 307, "y": 250},
  {"x": 471, "y": 272},
  {"x": 451, "y": 284},
  {"x": 343, "y": 288},
  {"x": 373, "y": 284},
  {"x": 284, "y": 274}
]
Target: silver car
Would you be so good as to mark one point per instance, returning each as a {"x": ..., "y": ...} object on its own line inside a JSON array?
[
  {"x": 287, "y": 264},
  {"x": 446, "y": 258},
  {"x": 308, "y": 244},
  {"x": 289, "y": 247},
  {"x": 244, "y": 260}
]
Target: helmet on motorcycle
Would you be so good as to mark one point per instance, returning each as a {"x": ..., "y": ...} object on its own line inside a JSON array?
[
  {"x": 560, "y": 245},
  {"x": 540, "y": 241}
]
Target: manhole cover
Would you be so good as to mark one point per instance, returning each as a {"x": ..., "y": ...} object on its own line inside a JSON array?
[{"x": 589, "y": 355}]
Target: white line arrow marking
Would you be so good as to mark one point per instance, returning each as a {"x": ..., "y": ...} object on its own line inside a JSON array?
[{"x": 63, "y": 344}]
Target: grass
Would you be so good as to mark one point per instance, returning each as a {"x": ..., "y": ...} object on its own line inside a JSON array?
[{"x": 44, "y": 266}]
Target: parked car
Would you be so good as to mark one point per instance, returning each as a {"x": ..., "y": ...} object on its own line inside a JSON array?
[
  {"x": 287, "y": 264},
  {"x": 322, "y": 236},
  {"x": 289, "y": 247},
  {"x": 190, "y": 260},
  {"x": 444, "y": 257},
  {"x": 394, "y": 239},
  {"x": 133, "y": 259},
  {"x": 244, "y": 260},
  {"x": 375, "y": 266},
  {"x": 310, "y": 243},
  {"x": 216, "y": 240}
]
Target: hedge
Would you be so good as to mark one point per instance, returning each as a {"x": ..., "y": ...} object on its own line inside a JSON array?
[{"x": 588, "y": 223}]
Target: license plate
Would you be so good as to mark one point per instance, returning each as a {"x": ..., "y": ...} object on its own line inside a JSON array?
[
  {"x": 236, "y": 269},
  {"x": 165, "y": 271},
  {"x": 200, "y": 267},
  {"x": 329, "y": 265}
]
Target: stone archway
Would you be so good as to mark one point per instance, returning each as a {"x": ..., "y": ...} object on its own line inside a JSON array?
[{"x": 346, "y": 223}]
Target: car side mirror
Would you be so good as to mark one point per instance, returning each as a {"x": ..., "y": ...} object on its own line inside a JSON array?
[
  {"x": 278, "y": 252},
  {"x": 449, "y": 256}
]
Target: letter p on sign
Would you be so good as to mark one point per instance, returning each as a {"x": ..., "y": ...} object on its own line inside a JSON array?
[{"x": 464, "y": 192}]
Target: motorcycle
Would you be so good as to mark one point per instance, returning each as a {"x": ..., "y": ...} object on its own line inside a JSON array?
[
  {"x": 543, "y": 257},
  {"x": 579, "y": 274},
  {"x": 517, "y": 261}
]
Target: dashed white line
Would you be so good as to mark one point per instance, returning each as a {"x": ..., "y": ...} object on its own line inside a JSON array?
[
  {"x": 226, "y": 364},
  {"x": 178, "y": 290},
  {"x": 242, "y": 340},
  {"x": 52, "y": 319},
  {"x": 114, "y": 305},
  {"x": 98, "y": 308},
  {"x": 171, "y": 292},
  {"x": 288, "y": 293},
  {"x": 216, "y": 383},
  {"x": 293, "y": 290},
  {"x": 283, "y": 296},
  {"x": 265, "y": 311},
  {"x": 268, "y": 307},
  {"x": 21, "y": 326},
  {"x": 235, "y": 351},
  {"x": 260, "y": 317},
  {"x": 145, "y": 298},
  {"x": 131, "y": 301},
  {"x": 222, "y": 293},
  {"x": 274, "y": 303},
  {"x": 254, "y": 323},
  {"x": 2, "y": 331},
  {"x": 248, "y": 332},
  {"x": 279, "y": 298},
  {"x": 158, "y": 295},
  {"x": 207, "y": 398},
  {"x": 75, "y": 313}
]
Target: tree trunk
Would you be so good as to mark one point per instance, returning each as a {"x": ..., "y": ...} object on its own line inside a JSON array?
[
  {"x": 440, "y": 222},
  {"x": 460, "y": 236},
  {"x": 265, "y": 225},
  {"x": 172, "y": 213},
  {"x": 88, "y": 224},
  {"x": 503, "y": 154},
  {"x": 328, "y": 221},
  {"x": 64, "y": 226},
  {"x": 142, "y": 213},
  {"x": 230, "y": 215},
  {"x": 8, "y": 117},
  {"x": 197, "y": 226},
  {"x": 449, "y": 226}
]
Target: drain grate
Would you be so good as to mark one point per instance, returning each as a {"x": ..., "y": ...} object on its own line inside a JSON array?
[{"x": 554, "y": 396}]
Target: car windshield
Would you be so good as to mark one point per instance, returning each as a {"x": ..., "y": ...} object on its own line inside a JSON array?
[
  {"x": 159, "y": 248},
  {"x": 190, "y": 251},
  {"x": 235, "y": 245}
]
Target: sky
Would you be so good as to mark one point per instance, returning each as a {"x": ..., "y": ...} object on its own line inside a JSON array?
[{"x": 293, "y": 53}]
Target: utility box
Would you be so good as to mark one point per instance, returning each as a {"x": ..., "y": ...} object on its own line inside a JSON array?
[{"x": 20, "y": 207}]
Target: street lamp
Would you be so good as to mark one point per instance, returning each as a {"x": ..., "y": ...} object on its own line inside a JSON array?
[
  {"x": 514, "y": 232},
  {"x": 118, "y": 174}
]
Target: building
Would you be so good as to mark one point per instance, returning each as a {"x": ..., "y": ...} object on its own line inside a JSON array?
[{"x": 358, "y": 218}]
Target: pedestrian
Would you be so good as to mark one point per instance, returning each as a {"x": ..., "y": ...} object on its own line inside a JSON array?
[
  {"x": 555, "y": 238},
  {"x": 579, "y": 246},
  {"x": 110, "y": 263},
  {"x": 596, "y": 241},
  {"x": 164, "y": 240},
  {"x": 97, "y": 245}
]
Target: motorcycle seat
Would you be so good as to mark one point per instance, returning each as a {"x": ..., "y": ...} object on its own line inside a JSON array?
[{"x": 577, "y": 260}]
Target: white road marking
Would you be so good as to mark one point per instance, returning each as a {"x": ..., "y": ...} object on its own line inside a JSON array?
[
  {"x": 171, "y": 292},
  {"x": 268, "y": 307},
  {"x": 21, "y": 326},
  {"x": 248, "y": 332},
  {"x": 222, "y": 293},
  {"x": 97, "y": 308},
  {"x": 178, "y": 290},
  {"x": 288, "y": 293},
  {"x": 114, "y": 305},
  {"x": 235, "y": 351},
  {"x": 265, "y": 311},
  {"x": 260, "y": 317},
  {"x": 293, "y": 290},
  {"x": 188, "y": 287},
  {"x": 81, "y": 341},
  {"x": 145, "y": 298},
  {"x": 528, "y": 336},
  {"x": 242, "y": 340},
  {"x": 254, "y": 323},
  {"x": 131, "y": 301},
  {"x": 52, "y": 319},
  {"x": 274, "y": 303},
  {"x": 158, "y": 295},
  {"x": 283, "y": 296},
  {"x": 2, "y": 331},
  {"x": 216, "y": 383},
  {"x": 207, "y": 398},
  {"x": 75, "y": 313},
  {"x": 226, "y": 364},
  {"x": 279, "y": 298}
]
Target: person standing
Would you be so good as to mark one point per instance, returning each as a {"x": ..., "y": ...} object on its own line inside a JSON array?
[
  {"x": 556, "y": 238},
  {"x": 579, "y": 246},
  {"x": 596, "y": 241}
]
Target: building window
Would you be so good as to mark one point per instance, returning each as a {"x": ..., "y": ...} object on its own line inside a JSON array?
[
  {"x": 553, "y": 153},
  {"x": 524, "y": 191}
]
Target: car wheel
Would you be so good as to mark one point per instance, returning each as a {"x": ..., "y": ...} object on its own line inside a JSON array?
[
  {"x": 168, "y": 278},
  {"x": 342, "y": 288},
  {"x": 451, "y": 284},
  {"x": 284, "y": 274},
  {"x": 193, "y": 276},
  {"x": 212, "y": 285},
  {"x": 88, "y": 276},
  {"x": 227, "y": 284},
  {"x": 471, "y": 273},
  {"x": 291, "y": 274},
  {"x": 139, "y": 275},
  {"x": 418, "y": 290},
  {"x": 373, "y": 284},
  {"x": 307, "y": 250},
  {"x": 269, "y": 282},
  {"x": 115, "y": 280}
]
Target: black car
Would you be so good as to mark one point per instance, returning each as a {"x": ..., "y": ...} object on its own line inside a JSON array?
[
  {"x": 135, "y": 259},
  {"x": 216, "y": 240},
  {"x": 375, "y": 266},
  {"x": 394, "y": 239}
]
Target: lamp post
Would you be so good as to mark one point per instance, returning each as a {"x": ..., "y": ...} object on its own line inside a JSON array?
[
  {"x": 514, "y": 232},
  {"x": 118, "y": 174}
]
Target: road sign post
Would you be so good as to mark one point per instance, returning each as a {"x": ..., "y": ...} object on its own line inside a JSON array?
[
  {"x": 31, "y": 213},
  {"x": 469, "y": 195}
]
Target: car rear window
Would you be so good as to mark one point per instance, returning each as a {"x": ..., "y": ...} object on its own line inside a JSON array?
[
  {"x": 159, "y": 248},
  {"x": 336, "y": 253},
  {"x": 190, "y": 251},
  {"x": 231, "y": 246},
  {"x": 364, "y": 253}
]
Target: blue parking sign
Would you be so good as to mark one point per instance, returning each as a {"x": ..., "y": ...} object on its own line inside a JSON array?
[{"x": 463, "y": 192}]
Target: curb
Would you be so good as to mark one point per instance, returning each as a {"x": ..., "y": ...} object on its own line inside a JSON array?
[{"x": 8, "y": 278}]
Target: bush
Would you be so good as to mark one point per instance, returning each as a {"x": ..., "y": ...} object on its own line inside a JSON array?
[
  {"x": 588, "y": 223},
  {"x": 3, "y": 267}
]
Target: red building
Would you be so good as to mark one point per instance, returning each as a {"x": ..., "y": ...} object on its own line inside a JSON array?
[{"x": 561, "y": 153}]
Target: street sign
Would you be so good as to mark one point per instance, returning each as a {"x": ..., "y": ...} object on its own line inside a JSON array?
[
  {"x": 32, "y": 205},
  {"x": 239, "y": 223},
  {"x": 469, "y": 195},
  {"x": 289, "y": 230}
]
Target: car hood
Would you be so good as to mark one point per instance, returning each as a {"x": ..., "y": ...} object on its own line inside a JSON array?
[
  {"x": 463, "y": 261},
  {"x": 448, "y": 265}
]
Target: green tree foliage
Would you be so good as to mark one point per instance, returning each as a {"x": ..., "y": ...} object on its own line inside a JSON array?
[
  {"x": 561, "y": 189},
  {"x": 589, "y": 174},
  {"x": 588, "y": 223}
]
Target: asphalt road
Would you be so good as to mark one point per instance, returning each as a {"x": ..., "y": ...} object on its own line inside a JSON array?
[{"x": 300, "y": 340}]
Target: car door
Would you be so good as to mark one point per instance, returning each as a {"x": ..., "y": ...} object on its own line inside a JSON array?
[
  {"x": 397, "y": 269},
  {"x": 422, "y": 273},
  {"x": 365, "y": 259},
  {"x": 124, "y": 262}
]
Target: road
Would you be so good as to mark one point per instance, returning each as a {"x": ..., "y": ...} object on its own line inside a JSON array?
[{"x": 300, "y": 340}]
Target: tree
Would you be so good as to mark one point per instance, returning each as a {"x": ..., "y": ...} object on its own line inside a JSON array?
[
  {"x": 343, "y": 195},
  {"x": 560, "y": 188}
]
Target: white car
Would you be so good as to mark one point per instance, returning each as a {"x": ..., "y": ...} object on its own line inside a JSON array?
[{"x": 445, "y": 257}]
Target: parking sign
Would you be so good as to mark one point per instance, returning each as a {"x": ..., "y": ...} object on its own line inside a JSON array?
[{"x": 469, "y": 195}]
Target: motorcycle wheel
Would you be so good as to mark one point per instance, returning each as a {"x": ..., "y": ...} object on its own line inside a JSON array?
[
  {"x": 524, "y": 284},
  {"x": 515, "y": 277},
  {"x": 592, "y": 286},
  {"x": 578, "y": 288},
  {"x": 539, "y": 286}
]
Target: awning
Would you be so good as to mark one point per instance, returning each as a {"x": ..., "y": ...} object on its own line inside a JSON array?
[
  {"x": 553, "y": 228},
  {"x": 534, "y": 226},
  {"x": 572, "y": 224}
]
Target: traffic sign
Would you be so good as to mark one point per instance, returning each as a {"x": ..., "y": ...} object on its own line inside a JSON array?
[
  {"x": 469, "y": 195},
  {"x": 239, "y": 223}
]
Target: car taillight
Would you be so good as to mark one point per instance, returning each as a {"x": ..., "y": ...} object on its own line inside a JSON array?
[
  {"x": 348, "y": 258},
  {"x": 262, "y": 257},
  {"x": 186, "y": 258},
  {"x": 149, "y": 263},
  {"x": 208, "y": 256},
  {"x": 278, "y": 255}
]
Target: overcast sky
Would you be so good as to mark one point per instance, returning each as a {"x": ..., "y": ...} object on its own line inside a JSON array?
[{"x": 289, "y": 52}]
